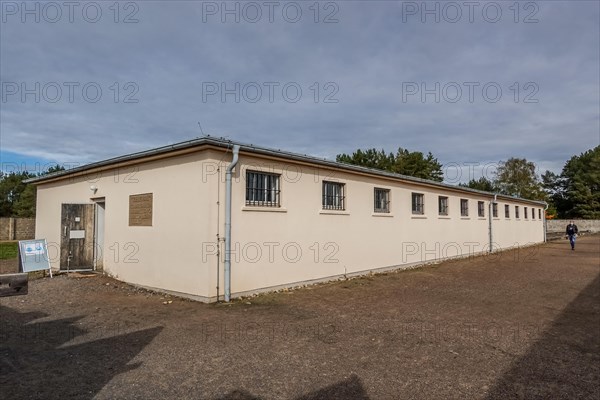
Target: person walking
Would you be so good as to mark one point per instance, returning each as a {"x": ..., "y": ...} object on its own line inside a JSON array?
[{"x": 572, "y": 234}]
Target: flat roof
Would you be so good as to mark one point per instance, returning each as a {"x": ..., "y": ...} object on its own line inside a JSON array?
[{"x": 250, "y": 148}]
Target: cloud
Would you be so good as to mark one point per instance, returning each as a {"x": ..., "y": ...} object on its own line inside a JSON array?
[{"x": 354, "y": 76}]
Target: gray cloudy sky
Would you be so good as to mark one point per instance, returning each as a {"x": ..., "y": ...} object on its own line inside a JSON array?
[{"x": 471, "y": 82}]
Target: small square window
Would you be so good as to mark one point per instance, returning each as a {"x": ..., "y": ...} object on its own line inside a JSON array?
[
  {"x": 333, "y": 196},
  {"x": 480, "y": 209},
  {"x": 442, "y": 205},
  {"x": 262, "y": 189},
  {"x": 382, "y": 200},
  {"x": 418, "y": 203},
  {"x": 464, "y": 207}
]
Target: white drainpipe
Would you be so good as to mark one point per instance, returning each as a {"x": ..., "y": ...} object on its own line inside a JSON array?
[
  {"x": 490, "y": 222},
  {"x": 545, "y": 222},
  {"x": 227, "y": 272}
]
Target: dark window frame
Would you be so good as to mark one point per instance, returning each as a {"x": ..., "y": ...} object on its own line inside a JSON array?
[
  {"x": 381, "y": 200},
  {"x": 443, "y": 207},
  {"x": 418, "y": 203},
  {"x": 464, "y": 207},
  {"x": 481, "y": 209},
  {"x": 263, "y": 189},
  {"x": 333, "y": 196}
]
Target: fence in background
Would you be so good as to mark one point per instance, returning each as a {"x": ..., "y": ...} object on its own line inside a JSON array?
[
  {"x": 557, "y": 227},
  {"x": 17, "y": 228}
]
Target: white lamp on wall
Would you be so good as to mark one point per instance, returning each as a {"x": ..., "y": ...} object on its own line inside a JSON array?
[{"x": 94, "y": 189}]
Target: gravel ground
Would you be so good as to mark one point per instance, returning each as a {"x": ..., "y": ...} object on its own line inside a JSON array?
[{"x": 521, "y": 324}]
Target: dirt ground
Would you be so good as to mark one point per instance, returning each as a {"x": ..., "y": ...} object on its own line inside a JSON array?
[
  {"x": 10, "y": 266},
  {"x": 522, "y": 324}
]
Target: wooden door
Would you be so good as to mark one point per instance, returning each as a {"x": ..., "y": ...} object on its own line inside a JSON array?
[{"x": 77, "y": 242}]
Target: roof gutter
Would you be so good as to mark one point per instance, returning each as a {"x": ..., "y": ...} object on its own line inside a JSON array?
[{"x": 227, "y": 269}]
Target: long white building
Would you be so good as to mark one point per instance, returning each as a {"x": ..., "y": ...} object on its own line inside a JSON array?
[{"x": 159, "y": 219}]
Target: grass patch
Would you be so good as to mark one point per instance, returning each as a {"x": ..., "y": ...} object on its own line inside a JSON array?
[{"x": 9, "y": 250}]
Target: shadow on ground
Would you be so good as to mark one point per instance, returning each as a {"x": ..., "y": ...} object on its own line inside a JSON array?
[
  {"x": 565, "y": 361},
  {"x": 47, "y": 361},
  {"x": 348, "y": 389}
]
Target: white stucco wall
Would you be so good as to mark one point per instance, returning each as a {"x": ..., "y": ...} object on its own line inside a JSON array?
[
  {"x": 165, "y": 255},
  {"x": 299, "y": 242}
]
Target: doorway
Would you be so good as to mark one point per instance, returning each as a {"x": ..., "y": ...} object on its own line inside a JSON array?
[
  {"x": 99, "y": 235},
  {"x": 77, "y": 237}
]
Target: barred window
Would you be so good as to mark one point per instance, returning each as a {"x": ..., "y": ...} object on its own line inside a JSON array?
[
  {"x": 464, "y": 207},
  {"x": 495, "y": 210},
  {"x": 480, "y": 209},
  {"x": 418, "y": 203},
  {"x": 516, "y": 211},
  {"x": 333, "y": 196},
  {"x": 442, "y": 205},
  {"x": 532, "y": 213},
  {"x": 262, "y": 189},
  {"x": 506, "y": 211},
  {"x": 382, "y": 200},
  {"x": 525, "y": 212},
  {"x": 539, "y": 213}
]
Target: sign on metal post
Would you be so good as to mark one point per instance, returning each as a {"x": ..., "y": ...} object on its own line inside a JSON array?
[{"x": 34, "y": 255}]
